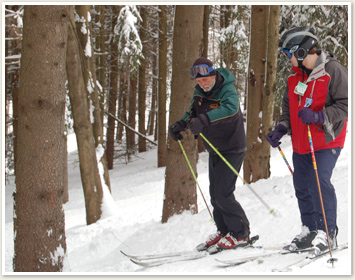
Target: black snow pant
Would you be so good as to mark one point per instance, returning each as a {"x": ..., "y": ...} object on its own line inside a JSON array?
[{"x": 228, "y": 214}]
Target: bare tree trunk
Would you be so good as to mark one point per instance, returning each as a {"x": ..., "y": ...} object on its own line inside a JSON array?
[
  {"x": 206, "y": 25},
  {"x": 132, "y": 109},
  {"x": 66, "y": 183},
  {"x": 153, "y": 111},
  {"x": 142, "y": 145},
  {"x": 258, "y": 46},
  {"x": 112, "y": 101},
  {"x": 102, "y": 58},
  {"x": 84, "y": 32},
  {"x": 39, "y": 225},
  {"x": 123, "y": 92},
  {"x": 180, "y": 187},
  {"x": 83, "y": 130},
  {"x": 163, "y": 53},
  {"x": 112, "y": 106},
  {"x": 270, "y": 87}
]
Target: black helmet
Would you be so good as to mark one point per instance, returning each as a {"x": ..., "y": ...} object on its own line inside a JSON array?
[{"x": 299, "y": 40}]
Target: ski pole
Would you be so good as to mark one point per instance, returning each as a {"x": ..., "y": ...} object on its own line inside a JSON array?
[
  {"x": 193, "y": 174},
  {"x": 271, "y": 211},
  {"x": 282, "y": 154},
  {"x": 332, "y": 260}
]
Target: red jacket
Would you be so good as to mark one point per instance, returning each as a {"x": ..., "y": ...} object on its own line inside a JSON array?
[{"x": 327, "y": 87}]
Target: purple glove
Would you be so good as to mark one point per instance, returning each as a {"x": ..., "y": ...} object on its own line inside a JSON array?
[
  {"x": 196, "y": 125},
  {"x": 274, "y": 136},
  {"x": 308, "y": 116}
]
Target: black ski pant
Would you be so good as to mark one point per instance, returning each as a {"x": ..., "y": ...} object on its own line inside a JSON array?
[
  {"x": 306, "y": 188},
  {"x": 228, "y": 214}
]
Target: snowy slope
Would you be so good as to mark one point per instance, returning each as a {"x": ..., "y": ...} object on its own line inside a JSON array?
[{"x": 131, "y": 221}]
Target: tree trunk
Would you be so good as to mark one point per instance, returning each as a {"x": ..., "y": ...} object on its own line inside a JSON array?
[
  {"x": 102, "y": 57},
  {"x": 163, "y": 59},
  {"x": 66, "y": 178},
  {"x": 132, "y": 109},
  {"x": 122, "y": 108},
  {"x": 112, "y": 102},
  {"x": 39, "y": 227},
  {"x": 253, "y": 161},
  {"x": 180, "y": 187},
  {"x": 270, "y": 87},
  {"x": 83, "y": 130},
  {"x": 153, "y": 110},
  {"x": 206, "y": 26},
  {"x": 142, "y": 145},
  {"x": 112, "y": 106},
  {"x": 84, "y": 32}
]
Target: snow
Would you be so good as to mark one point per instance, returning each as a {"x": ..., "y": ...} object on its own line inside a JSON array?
[{"x": 132, "y": 221}]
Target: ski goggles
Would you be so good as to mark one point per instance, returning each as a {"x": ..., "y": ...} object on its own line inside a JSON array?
[
  {"x": 288, "y": 53},
  {"x": 202, "y": 69}
]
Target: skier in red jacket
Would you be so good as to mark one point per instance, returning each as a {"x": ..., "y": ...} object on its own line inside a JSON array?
[{"x": 316, "y": 95}]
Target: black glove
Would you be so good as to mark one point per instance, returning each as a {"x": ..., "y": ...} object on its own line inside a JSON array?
[
  {"x": 274, "y": 136},
  {"x": 176, "y": 128},
  {"x": 196, "y": 125}
]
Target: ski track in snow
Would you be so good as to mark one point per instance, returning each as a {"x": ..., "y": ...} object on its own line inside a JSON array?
[{"x": 138, "y": 191}]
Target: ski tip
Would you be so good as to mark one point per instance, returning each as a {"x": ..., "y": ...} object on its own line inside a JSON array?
[
  {"x": 135, "y": 262},
  {"x": 123, "y": 253}
]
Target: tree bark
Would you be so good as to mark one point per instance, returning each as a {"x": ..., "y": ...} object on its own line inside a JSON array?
[
  {"x": 84, "y": 32},
  {"x": 112, "y": 102},
  {"x": 163, "y": 59},
  {"x": 39, "y": 226},
  {"x": 253, "y": 161},
  {"x": 83, "y": 129},
  {"x": 142, "y": 145},
  {"x": 270, "y": 88},
  {"x": 180, "y": 187},
  {"x": 132, "y": 109}
]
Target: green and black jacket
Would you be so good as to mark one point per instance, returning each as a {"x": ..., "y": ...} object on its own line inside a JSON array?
[{"x": 221, "y": 105}]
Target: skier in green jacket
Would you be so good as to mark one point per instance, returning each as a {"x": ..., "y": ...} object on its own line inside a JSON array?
[{"x": 215, "y": 112}]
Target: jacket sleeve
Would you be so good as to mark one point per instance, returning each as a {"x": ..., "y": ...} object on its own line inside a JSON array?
[
  {"x": 229, "y": 107},
  {"x": 336, "y": 105}
]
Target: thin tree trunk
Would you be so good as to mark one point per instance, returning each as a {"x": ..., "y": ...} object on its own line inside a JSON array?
[
  {"x": 132, "y": 109},
  {"x": 270, "y": 87},
  {"x": 142, "y": 145},
  {"x": 163, "y": 53},
  {"x": 112, "y": 101},
  {"x": 258, "y": 47},
  {"x": 123, "y": 90},
  {"x": 83, "y": 130},
  {"x": 153, "y": 110},
  {"x": 84, "y": 32},
  {"x": 112, "y": 105}
]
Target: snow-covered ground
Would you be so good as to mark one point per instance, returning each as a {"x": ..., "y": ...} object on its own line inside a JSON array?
[{"x": 132, "y": 221}]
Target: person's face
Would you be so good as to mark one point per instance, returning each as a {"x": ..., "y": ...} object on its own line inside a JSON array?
[
  {"x": 294, "y": 61},
  {"x": 206, "y": 83}
]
